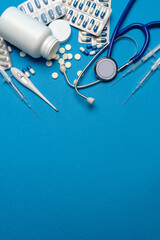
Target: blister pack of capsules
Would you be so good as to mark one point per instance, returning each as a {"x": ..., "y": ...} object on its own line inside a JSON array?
[
  {"x": 45, "y": 11},
  {"x": 87, "y": 15},
  {"x": 103, "y": 38},
  {"x": 5, "y": 60}
]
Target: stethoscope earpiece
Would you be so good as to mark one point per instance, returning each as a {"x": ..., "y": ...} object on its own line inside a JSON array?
[{"x": 106, "y": 69}]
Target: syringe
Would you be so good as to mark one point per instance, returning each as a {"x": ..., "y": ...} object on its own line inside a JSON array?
[
  {"x": 154, "y": 67},
  {"x": 139, "y": 63},
  {"x": 14, "y": 87}
]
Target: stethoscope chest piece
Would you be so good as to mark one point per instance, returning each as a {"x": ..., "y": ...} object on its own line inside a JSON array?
[{"x": 106, "y": 69}]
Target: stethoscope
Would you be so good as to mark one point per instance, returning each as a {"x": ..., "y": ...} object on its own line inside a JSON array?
[{"x": 106, "y": 68}]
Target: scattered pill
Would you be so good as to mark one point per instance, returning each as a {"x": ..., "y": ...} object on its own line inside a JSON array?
[
  {"x": 9, "y": 49},
  {"x": 79, "y": 73},
  {"x": 77, "y": 56},
  {"x": 57, "y": 57},
  {"x": 89, "y": 46},
  {"x": 54, "y": 75},
  {"x": 84, "y": 51},
  {"x": 62, "y": 50},
  {"x": 26, "y": 72},
  {"x": 65, "y": 56},
  {"x": 30, "y": 69},
  {"x": 49, "y": 63},
  {"x": 22, "y": 54},
  {"x": 70, "y": 56},
  {"x": 94, "y": 52},
  {"x": 68, "y": 65},
  {"x": 61, "y": 61},
  {"x": 68, "y": 47}
]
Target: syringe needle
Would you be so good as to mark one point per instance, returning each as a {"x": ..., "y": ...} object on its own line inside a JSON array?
[
  {"x": 35, "y": 112},
  {"x": 127, "y": 99},
  {"x": 117, "y": 80}
]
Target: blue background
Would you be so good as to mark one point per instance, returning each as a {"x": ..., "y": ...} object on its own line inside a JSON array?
[{"x": 85, "y": 172}]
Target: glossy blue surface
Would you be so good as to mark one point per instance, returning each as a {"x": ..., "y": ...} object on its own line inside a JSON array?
[{"x": 85, "y": 173}]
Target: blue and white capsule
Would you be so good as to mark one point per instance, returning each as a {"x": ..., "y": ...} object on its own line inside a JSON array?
[
  {"x": 26, "y": 72},
  {"x": 30, "y": 69},
  {"x": 69, "y": 15},
  {"x": 105, "y": 28},
  {"x": 81, "y": 4},
  {"x": 103, "y": 13},
  {"x": 75, "y": 3},
  {"x": 91, "y": 45},
  {"x": 85, "y": 22},
  {"x": 98, "y": 11},
  {"x": 95, "y": 29},
  {"x": 94, "y": 52},
  {"x": 87, "y": 6},
  {"x": 101, "y": 40},
  {"x": 92, "y": 8},
  {"x": 90, "y": 26},
  {"x": 84, "y": 51},
  {"x": 80, "y": 19},
  {"x": 103, "y": 1},
  {"x": 103, "y": 34},
  {"x": 86, "y": 39},
  {"x": 74, "y": 18},
  {"x": 85, "y": 34},
  {"x": 105, "y": 4}
]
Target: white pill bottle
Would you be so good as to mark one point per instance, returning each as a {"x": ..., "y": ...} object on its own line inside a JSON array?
[{"x": 28, "y": 34}]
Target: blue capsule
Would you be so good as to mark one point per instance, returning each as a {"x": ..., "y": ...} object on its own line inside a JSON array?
[
  {"x": 103, "y": 34},
  {"x": 85, "y": 22},
  {"x": 30, "y": 7},
  {"x": 87, "y": 6},
  {"x": 75, "y": 3},
  {"x": 91, "y": 24},
  {"x": 74, "y": 17},
  {"x": 44, "y": 18},
  {"x": 84, "y": 51},
  {"x": 96, "y": 27},
  {"x": 94, "y": 47},
  {"x": 105, "y": 28},
  {"x": 58, "y": 10},
  {"x": 37, "y": 3},
  {"x": 45, "y": 2},
  {"x": 51, "y": 14},
  {"x": 105, "y": 4},
  {"x": 89, "y": 46},
  {"x": 22, "y": 9},
  {"x": 69, "y": 14},
  {"x": 81, "y": 6},
  {"x": 97, "y": 11}
]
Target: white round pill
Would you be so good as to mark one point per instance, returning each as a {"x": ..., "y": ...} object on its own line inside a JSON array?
[
  {"x": 79, "y": 73},
  {"x": 22, "y": 54},
  {"x": 61, "y": 61},
  {"x": 77, "y": 56},
  {"x": 68, "y": 65},
  {"x": 54, "y": 75},
  {"x": 68, "y": 47},
  {"x": 70, "y": 56},
  {"x": 57, "y": 57},
  {"x": 49, "y": 63},
  {"x": 65, "y": 56},
  {"x": 62, "y": 50}
]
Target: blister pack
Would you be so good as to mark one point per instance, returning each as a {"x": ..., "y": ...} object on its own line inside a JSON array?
[
  {"x": 45, "y": 11},
  {"x": 5, "y": 60},
  {"x": 87, "y": 15},
  {"x": 104, "y": 35}
]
